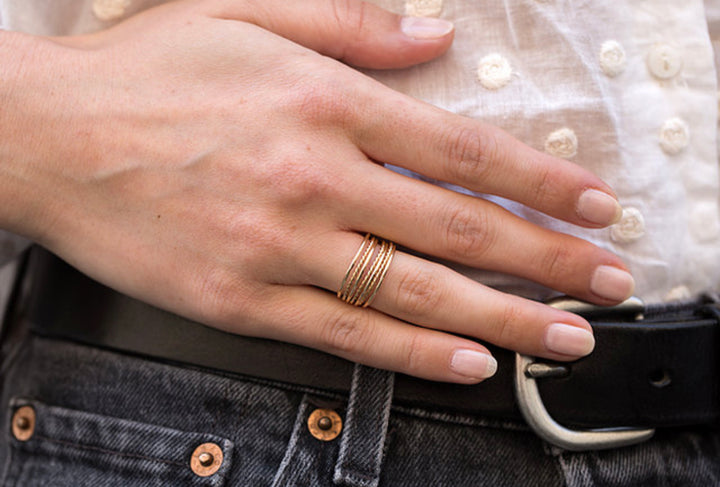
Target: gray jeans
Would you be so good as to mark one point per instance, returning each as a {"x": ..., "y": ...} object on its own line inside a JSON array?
[{"x": 109, "y": 419}]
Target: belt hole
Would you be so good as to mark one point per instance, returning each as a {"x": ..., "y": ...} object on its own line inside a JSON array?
[{"x": 660, "y": 378}]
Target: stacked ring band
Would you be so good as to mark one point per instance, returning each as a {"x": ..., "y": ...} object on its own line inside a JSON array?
[{"x": 367, "y": 271}]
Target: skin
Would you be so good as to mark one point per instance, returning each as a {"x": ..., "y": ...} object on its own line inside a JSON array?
[{"x": 215, "y": 159}]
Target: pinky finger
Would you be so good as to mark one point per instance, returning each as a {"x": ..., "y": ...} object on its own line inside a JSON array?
[{"x": 317, "y": 319}]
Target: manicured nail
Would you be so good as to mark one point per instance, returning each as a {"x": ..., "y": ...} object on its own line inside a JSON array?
[
  {"x": 474, "y": 364},
  {"x": 612, "y": 283},
  {"x": 425, "y": 28},
  {"x": 599, "y": 208},
  {"x": 569, "y": 340}
]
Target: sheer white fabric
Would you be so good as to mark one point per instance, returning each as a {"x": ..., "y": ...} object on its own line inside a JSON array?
[{"x": 626, "y": 89}]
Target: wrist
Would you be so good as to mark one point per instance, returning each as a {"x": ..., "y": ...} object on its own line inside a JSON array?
[{"x": 26, "y": 95}]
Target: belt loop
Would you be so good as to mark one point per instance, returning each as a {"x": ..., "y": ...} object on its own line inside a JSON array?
[{"x": 363, "y": 439}]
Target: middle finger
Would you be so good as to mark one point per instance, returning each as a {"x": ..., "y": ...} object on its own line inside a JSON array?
[{"x": 478, "y": 233}]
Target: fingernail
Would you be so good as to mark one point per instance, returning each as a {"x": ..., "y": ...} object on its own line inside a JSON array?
[
  {"x": 474, "y": 364},
  {"x": 569, "y": 340},
  {"x": 612, "y": 283},
  {"x": 599, "y": 208},
  {"x": 425, "y": 28}
]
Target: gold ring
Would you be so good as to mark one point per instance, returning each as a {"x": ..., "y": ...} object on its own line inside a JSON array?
[{"x": 367, "y": 271}]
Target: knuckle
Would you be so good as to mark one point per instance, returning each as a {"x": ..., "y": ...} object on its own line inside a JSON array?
[
  {"x": 298, "y": 181},
  {"x": 247, "y": 237},
  {"x": 415, "y": 353},
  {"x": 508, "y": 329},
  {"x": 469, "y": 233},
  {"x": 543, "y": 188},
  {"x": 471, "y": 154},
  {"x": 350, "y": 16},
  {"x": 556, "y": 262},
  {"x": 345, "y": 332},
  {"x": 320, "y": 99},
  {"x": 222, "y": 297},
  {"x": 419, "y": 292}
]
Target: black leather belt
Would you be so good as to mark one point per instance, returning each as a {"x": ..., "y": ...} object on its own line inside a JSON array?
[{"x": 661, "y": 371}]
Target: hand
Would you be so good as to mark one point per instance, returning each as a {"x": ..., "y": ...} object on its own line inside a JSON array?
[{"x": 197, "y": 158}]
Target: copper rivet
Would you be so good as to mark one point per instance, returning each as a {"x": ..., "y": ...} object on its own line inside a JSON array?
[
  {"x": 324, "y": 424},
  {"x": 23, "y": 423},
  {"x": 206, "y": 459}
]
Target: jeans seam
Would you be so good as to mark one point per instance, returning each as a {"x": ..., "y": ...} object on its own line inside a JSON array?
[
  {"x": 460, "y": 419},
  {"x": 281, "y": 475},
  {"x": 110, "y": 452}
]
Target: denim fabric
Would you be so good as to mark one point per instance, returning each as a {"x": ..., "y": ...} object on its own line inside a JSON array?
[
  {"x": 87, "y": 446},
  {"x": 363, "y": 441},
  {"x": 109, "y": 419}
]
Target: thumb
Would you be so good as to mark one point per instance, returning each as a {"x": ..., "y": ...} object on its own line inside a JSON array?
[{"x": 353, "y": 31}]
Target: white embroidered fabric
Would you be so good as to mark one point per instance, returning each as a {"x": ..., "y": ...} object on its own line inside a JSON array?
[{"x": 626, "y": 89}]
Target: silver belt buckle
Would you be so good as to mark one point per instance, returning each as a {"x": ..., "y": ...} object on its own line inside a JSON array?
[{"x": 532, "y": 407}]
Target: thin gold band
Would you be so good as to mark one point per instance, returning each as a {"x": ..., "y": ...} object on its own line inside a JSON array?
[{"x": 366, "y": 271}]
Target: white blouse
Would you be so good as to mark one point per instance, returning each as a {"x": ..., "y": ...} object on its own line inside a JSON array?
[{"x": 625, "y": 89}]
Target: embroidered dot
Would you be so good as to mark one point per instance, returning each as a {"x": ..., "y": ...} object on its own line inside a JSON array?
[
  {"x": 674, "y": 135},
  {"x": 612, "y": 58},
  {"x": 494, "y": 71},
  {"x": 630, "y": 228},
  {"x": 110, "y": 9},
  {"x": 664, "y": 61},
  {"x": 423, "y": 8},
  {"x": 678, "y": 293},
  {"x": 704, "y": 224},
  {"x": 562, "y": 143}
]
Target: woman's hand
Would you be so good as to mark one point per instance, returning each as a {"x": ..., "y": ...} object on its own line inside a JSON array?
[{"x": 202, "y": 156}]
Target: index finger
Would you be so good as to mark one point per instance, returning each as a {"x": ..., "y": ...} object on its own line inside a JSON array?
[{"x": 448, "y": 147}]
